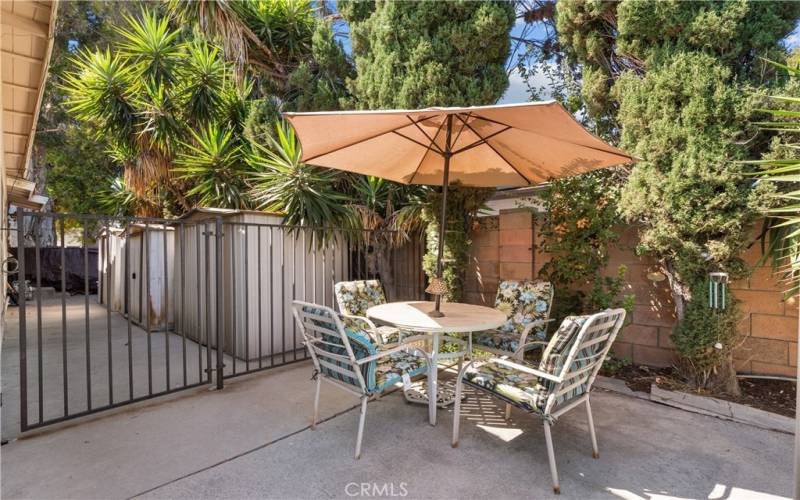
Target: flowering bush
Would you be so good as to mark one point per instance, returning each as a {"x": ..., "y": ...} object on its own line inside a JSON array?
[{"x": 577, "y": 230}]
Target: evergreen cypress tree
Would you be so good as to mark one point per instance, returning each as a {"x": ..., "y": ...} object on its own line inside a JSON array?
[
  {"x": 672, "y": 81},
  {"x": 432, "y": 53}
]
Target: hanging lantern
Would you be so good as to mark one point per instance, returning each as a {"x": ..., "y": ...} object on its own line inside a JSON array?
[{"x": 717, "y": 290}]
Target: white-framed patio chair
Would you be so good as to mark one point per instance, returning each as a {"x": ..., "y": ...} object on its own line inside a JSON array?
[
  {"x": 350, "y": 360},
  {"x": 526, "y": 304},
  {"x": 354, "y": 298},
  {"x": 562, "y": 380}
]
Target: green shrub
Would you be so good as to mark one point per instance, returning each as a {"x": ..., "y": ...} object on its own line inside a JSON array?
[
  {"x": 705, "y": 340},
  {"x": 612, "y": 366}
]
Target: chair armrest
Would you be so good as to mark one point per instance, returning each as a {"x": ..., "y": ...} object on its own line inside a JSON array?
[
  {"x": 399, "y": 348},
  {"x": 539, "y": 344},
  {"x": 534, "y": 324},
  {"x": 527, "y": 369},
  {"x": 370, "y": 326},
  {"x": 364, "y": 319}
]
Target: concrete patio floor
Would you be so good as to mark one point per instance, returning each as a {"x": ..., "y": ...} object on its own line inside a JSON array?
[
  {"x": 99, "y": 344},
  {"x": 252, "y": 441}
]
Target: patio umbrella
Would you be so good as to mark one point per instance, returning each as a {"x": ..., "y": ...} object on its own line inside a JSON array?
[{"x": 480, "y": 146}]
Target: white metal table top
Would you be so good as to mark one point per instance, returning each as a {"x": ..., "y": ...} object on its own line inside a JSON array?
[{"x": 458, "y": 317}]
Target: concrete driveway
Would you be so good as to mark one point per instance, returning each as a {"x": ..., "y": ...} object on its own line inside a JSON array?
[{"x": 252, "y": 441}]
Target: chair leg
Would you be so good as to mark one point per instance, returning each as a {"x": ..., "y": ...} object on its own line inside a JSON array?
[
  {"x": 595, "y": 450},
  {"x": 551, "y": 457},
  {"x": 508, "y": 411},
  {"x": 362, "y": 417},
  {"x": 315, "y": 417},
  {"x": 457, "y": 412}
]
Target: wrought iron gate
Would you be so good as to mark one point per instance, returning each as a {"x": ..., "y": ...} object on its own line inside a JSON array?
[{"x": 175, "y": 304}]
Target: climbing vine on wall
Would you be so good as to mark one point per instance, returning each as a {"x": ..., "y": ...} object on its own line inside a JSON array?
[
  {"x": 577, "y": 231},
  {"x": 463, "y": 204}
]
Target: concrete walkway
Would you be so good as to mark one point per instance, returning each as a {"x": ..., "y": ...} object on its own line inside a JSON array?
[
  {"x": 118, "y": 455},
  {"x": 251, "y": 441},
  {"x": 127, "y": 382}
]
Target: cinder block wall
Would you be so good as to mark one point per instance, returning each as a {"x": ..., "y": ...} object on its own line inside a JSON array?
[{"x": 508, "y": 247}]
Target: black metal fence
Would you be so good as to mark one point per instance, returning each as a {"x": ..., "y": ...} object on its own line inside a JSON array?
[{"x": 177, "y": 304}]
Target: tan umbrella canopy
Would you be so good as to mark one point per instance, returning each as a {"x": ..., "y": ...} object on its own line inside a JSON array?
[{"x": 481, "y": 146}]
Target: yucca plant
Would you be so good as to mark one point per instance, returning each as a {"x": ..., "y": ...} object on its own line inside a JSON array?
[
  {"x": 267, "y": 36},
  {"x": 151, "y": 45},
  {"x": 286, "y": 26},
  {"x": 307, "y": 195},
  {"x": 201, "y": 81},
  {"x": 782, "y": 228},
  {"x": 101, "y": 91},
  {"x": 156, "y": 94},
  {"x": 392, "y": 210},
  {"x": 117, "y": 199},
  {"x": 214, "y": 166}
]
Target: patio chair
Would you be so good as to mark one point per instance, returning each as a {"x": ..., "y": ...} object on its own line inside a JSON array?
[
  {"x": 562, "y": 381},
  {"x": 354, "y": 298},
  {"x": 350, "y": 360},
  {"x": 527, "y": 306}
]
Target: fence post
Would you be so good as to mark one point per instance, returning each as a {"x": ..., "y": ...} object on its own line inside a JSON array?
[
  {"x": 219, "y": 301},
  {"x": 23, "y": 349}
]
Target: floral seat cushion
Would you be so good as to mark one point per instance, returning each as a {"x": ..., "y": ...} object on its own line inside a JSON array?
[
  {"x": 496, "y": 339},
  {"x": 523, "y": 302},
  {"x": 355, "y": 297},
  {"x": 390, "y": 370},
  {"x": 523, "y": 389}
]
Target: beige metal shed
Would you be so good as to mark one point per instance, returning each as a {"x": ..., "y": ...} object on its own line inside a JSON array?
[
  {"x": 149, "y": 274},
  {"x": 264, "y": 265}
]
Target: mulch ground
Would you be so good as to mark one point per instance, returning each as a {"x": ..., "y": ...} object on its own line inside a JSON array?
[{"x": 776, "y": 396}]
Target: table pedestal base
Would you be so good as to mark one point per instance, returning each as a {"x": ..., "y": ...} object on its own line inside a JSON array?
[{"x": 417, "y": 392}]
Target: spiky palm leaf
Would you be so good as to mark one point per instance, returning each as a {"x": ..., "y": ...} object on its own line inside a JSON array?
[
  {"x": 307, "y": 195},
  {"x": 214, "y": 166},
  {"x": 201, "y": 82},
  {"x": 151, "y": 45},
  {"x": 392, "y": 210},
  {"x": 250, "y": 32},
  {"x": 285, "y": 26},
  {"x": 117, "y": 199},
  {"x": 234, "y": 108},
  {"x": 782, "y": 228},
  {"x": 158, "y": 114},
  {"x": 100, "y": 91},
  {"x": 219, "y": 20}
]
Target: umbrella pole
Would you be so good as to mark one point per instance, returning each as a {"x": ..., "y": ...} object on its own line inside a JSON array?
[{"x": 436, "y": 313}]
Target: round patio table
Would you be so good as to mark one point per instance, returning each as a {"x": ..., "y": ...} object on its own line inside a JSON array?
[{"x": 458, "y": 318}]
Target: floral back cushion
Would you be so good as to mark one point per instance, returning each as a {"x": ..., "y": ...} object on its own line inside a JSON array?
[
  {"x": 355, "y": 297},
  {"x": 523, "y": 302}
]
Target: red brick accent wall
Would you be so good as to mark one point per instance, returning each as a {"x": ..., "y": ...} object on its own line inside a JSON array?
[{"x": 507, "y": 247}]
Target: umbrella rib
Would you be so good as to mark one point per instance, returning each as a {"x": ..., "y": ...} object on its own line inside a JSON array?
[
  {"x": 432, "y": 139},
  {"x": 412, "y": 140},
  {"x": 455, "y": 141},
  {"x": 555, "y": 139},
  {"x": 498, "y": 152},
  {"x": 433, "y": 142},
  {"x": 365, "y": 139},
  {"x": 481, "y": 141}
]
